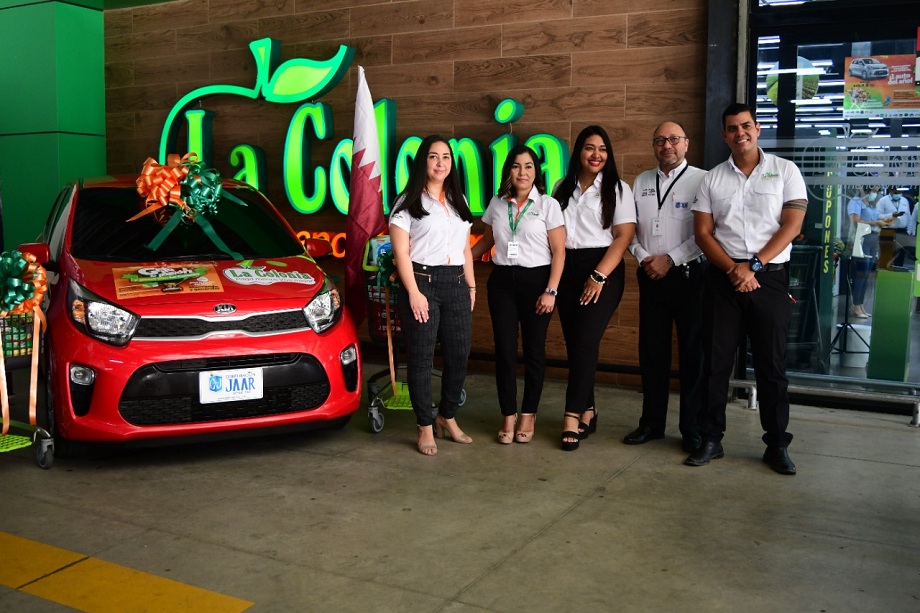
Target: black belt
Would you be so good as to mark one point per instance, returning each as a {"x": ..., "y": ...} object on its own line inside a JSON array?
[{"x": 766, "y": 267}]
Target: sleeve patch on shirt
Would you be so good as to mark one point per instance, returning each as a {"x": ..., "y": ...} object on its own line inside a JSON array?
[{"x": 800, "y": 205}]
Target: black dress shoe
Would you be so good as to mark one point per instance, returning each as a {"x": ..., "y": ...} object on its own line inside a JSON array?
[
  {"x": 692, "y": 443},
  {"x": 710, "y": 450},
  {"x": 642, "y": 434},
  {"x": 778, "y": 459}
]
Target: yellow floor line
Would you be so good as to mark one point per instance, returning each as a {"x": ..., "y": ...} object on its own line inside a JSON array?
[{"x": 95, "y": 586}]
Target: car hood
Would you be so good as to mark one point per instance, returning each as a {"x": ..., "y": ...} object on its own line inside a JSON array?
[{"x": 283, "y": 280}]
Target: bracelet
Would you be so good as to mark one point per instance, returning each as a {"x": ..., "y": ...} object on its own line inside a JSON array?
[
  {"x": 598, "y": 278},
  {"x": 472, "y": 288},
  {"x": 600, "y": 274},
  {"x": 671, "y": 261}
]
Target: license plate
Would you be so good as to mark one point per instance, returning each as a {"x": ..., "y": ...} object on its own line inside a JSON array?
[{"x": 229, "y": 385}]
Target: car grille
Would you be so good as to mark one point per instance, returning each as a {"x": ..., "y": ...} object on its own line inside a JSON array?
[
  {"x": 195, "y": 327},
  {"x": 187, "y": 410},
  {"x": 167, "y": 393}
]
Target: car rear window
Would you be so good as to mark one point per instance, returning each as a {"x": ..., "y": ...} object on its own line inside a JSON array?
[{"x": 101, "y": 230}]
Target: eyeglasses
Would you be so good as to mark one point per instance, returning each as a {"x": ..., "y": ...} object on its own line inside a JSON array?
[{"x": 659, "y": 142}]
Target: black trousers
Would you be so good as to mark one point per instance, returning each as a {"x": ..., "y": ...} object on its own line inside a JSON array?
[
  {"x": 676, "y": 300},
  {"x": 583, "y": 326},
  {"x": 450, "y": 320},
  {"x": 513, "y": 294},
  {"x": 763, "y": 315}
]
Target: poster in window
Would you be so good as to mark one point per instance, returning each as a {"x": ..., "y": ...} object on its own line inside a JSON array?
[{"x": 880, "y": 85}]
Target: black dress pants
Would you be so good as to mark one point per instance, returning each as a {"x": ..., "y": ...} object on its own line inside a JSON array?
[
  {"x": 450, "y": 321},
  {"x": 764, "y": 316},
  {"x": 583, "y": 326},
  {"x": 513, "y": 294},
  {"x": 676, "y": 300}
]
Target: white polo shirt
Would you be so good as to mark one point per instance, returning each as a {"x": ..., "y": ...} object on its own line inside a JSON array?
[
  {"x": 542, "y": 215},
  {"x": 746, "y": 210},
  {"x": 437, "y": 239},
  {"x": 583, "y": 216},
  {"x": 668, "y": 201}
]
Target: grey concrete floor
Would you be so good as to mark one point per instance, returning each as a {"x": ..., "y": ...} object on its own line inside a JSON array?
[{"x": 355, "y": 521}]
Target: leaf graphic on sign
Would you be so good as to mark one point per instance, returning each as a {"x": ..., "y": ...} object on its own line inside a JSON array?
[{"x": 300, "y": 79}]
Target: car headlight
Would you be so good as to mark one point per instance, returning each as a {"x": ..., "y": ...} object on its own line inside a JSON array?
[
  {"x": 325, "y": 309},
  {"x": 99, "y": 318}
]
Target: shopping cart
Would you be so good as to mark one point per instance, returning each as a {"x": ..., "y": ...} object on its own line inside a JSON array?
[
  {"x": 20, "y": 336},
  {"x": 384, "y": 389}
]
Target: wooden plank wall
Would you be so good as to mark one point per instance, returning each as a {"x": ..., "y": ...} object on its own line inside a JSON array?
[{"x": 625, "y": 64}]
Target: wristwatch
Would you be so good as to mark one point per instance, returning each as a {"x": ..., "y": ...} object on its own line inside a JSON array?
[
  {"x": 551, "y": 291},
  {"x": 756, "y": 264}
]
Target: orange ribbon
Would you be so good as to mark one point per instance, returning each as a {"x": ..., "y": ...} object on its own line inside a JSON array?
[
  {"x": 160, "y": 185},
  {"x": 35, "y": 274}
]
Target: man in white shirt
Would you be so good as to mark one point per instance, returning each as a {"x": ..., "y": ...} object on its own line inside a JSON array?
[
  {"x": 897, "y": 206},
  {"x": 746, "y": 214},
  {"x": 891, "y": 204},
  {"x": 670, "y": 277}
]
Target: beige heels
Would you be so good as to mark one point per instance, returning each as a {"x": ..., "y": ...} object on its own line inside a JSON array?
[
  {"x": 445, "y": 427},
  {"x": 427, "y": 448},
  {"x": 525, "y": 436},
  {"x": 507, "y": 437}
]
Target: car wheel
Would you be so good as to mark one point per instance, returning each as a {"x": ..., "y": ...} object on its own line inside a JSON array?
[{"x": 61, "y": 446}]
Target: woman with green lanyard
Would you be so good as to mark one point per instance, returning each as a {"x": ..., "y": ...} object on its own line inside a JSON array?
[{"x": 525, "y": 225}]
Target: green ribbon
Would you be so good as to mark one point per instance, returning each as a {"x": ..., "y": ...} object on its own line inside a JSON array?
[
  {"x": 386, "y": 267},
  {"x": 201, "y": 190},
  {"x": 13, "y": 290}
]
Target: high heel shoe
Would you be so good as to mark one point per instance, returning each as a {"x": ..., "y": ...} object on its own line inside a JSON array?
[
  {"x": 570, "y": 445},
  {"x": 587, "y": 429},
  {"x": 425, "y": 449},
  {"x": 442, "y": 429},
  {"x": 507, "y": 437},
  {"x": 526, "y": 436}
]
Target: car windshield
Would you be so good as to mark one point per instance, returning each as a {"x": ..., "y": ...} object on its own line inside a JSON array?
[{"x": 101, "y": 230}]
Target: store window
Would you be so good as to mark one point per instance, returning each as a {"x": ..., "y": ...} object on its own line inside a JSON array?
[{"x": 838, "y": 92}]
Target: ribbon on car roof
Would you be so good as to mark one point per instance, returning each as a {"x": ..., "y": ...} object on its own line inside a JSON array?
[{"x": 190, "y": 189}]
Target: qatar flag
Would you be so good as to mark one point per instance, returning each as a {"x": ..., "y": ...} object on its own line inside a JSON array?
[{"x": 365, "y": 207}]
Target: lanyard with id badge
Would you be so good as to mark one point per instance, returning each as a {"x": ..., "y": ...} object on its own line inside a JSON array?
[
  {"x": 657, "y": 226},
  {"x": 514, "y": 247}
]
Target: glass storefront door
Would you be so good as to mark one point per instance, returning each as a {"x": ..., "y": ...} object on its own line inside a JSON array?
[{"x": 845, "y": 107}]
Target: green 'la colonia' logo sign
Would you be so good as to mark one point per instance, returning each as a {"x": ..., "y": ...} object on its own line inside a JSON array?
[{"x": 308, "y": 188}]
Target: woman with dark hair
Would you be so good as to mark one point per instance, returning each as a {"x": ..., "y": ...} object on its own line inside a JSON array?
[
  {"x": 430, "y": 234},
  {"x": 525, "y": 225},
  {"x": 600, "y": 222}
]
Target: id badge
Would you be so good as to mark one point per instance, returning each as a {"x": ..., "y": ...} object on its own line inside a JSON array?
[
  {"x": 514, "y": 249},
  {"x": 657, "y": 228}
]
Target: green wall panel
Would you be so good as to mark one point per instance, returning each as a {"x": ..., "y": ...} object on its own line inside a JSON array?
[
  {"x": 28, "y": 87},
  {"x": 52, "y": 93},
  {"x": 889, "y": 350},
  {"x": 29, "y": 189}
]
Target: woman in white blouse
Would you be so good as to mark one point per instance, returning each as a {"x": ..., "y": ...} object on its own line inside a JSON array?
[
  {"x": 600, "y": 222},
  {"x": 525, "y": 225},
  {"x": 430, "y": 233}
]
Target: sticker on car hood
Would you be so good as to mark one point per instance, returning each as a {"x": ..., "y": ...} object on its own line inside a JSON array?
[
  {"x": 260, "y": 275},
  {"x": 157, "y": 279}
]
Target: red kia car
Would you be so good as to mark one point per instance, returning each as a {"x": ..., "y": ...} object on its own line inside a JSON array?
[{"x": 204, "y": 334}]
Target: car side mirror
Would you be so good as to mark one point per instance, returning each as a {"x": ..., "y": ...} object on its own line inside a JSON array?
[
  {"x": 41, "y": 251},
  {"x": 317, "y": 247}
]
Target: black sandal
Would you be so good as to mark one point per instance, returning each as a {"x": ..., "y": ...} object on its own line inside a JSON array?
[
  {"x": 571, "y": 445},
  {"x": 587, "y": 429}
]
